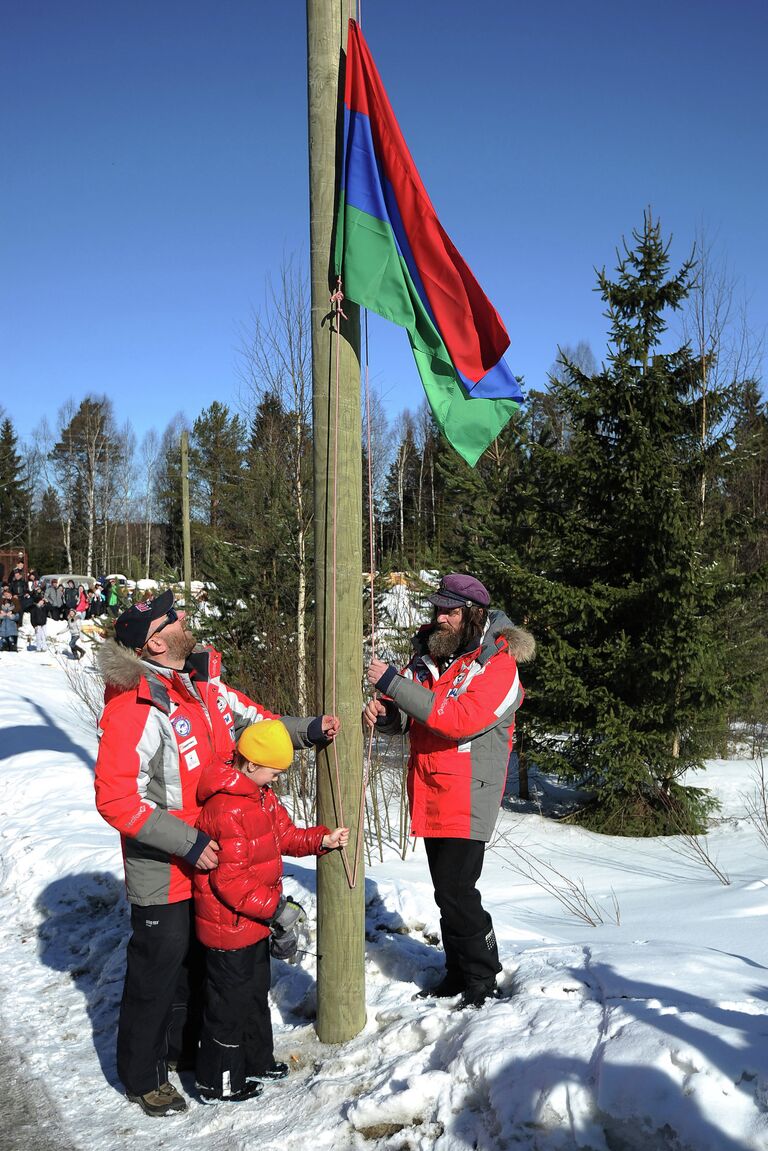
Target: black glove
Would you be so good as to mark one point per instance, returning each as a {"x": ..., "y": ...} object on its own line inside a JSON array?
[{"x": 285, "y": 923}]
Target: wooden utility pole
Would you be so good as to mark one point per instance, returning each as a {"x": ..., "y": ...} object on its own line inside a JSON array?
[
  {"x": 338, "y": 548},
  {"x": 186, "y": 536}
]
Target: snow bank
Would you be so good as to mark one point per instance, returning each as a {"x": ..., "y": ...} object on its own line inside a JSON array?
[{"x": 647, "y": 1033}]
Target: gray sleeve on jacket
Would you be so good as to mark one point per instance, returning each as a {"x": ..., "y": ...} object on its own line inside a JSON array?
[
  {"x": 246, "y": 714},
  {"x": 415, "y": 700},
  {"x": 298, "y": 729},
  {"x": 167, "y": 833}
]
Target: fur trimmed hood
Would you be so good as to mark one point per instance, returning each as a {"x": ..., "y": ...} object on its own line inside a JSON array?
[
  {"x": 522, "y": 645},
  {"x": 121, "y": 668}
]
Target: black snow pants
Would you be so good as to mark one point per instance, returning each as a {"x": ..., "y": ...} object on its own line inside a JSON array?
[
  {"x": 236, "y": 1041},
  {"x": 161, "y": 1009},
  {"x": 469, "y": 940}
]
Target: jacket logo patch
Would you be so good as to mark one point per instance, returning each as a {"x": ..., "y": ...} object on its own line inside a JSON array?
[
  {"x": 192, "y": 760},
  {"x": 188, "y": 744},
  {"x": 181, "y": 725},
  {"x": 221, "y": 703}
]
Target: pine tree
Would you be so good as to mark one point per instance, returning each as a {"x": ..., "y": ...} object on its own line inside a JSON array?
[
  {"x": 47, "y": 552},
  {"x": 14, "y": 493},
  {"x": 262, "y": 564},
  {"x": 468, "y": 524},
  {"x": 738, "y": 520},
  {"x": 400, "y": 497},
  {"x": 631, "y": 681},
  {"x": 167, "y": 494},
  {"x": 217, "y": 448}
]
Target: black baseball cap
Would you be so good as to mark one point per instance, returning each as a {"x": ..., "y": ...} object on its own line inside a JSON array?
[{"x": 132, "y": 626}]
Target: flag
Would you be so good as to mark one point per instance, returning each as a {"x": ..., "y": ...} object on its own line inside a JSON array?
[{"x": 395, "y": 259}]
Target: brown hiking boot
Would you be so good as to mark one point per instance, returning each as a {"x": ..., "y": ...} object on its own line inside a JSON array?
[{"x": 161, "y": 1101}]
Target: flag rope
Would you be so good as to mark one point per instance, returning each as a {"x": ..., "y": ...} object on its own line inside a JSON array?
[{"x": 337, "y": 298}]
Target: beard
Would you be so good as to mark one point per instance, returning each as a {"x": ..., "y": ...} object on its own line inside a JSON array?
[
  {"x": 442, "y": 642},
  {"x": 180, "y": 645}
]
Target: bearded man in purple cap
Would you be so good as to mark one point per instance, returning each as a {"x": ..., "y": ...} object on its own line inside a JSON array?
[
  {"x": 457, "y": 699},
  {"x": 167, "y": 715}
]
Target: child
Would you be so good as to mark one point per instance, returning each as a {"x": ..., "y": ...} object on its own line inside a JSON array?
[
  {"x": 235, "y": 903},
  {"x": 75, "y": 630}
]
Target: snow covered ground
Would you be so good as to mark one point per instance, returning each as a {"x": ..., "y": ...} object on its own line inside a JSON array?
[{"x": 650, "y": 1032}]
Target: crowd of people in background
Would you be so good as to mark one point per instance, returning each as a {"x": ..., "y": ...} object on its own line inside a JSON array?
[{"x": 23, "y": 592}]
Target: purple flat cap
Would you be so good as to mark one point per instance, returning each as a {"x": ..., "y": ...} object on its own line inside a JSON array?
[{"x": 458, "y": 590}]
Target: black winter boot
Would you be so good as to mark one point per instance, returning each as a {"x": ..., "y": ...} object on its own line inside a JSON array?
[
  {"x": 453, "y": 981},
  {"x": 478, "y": 958},
  {"x": 220, "y": 1071},
  {"x": 451, "y": 984},
  {"x": 476, "y": 994}
]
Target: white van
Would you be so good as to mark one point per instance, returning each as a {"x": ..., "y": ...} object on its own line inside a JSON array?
[{"x": 86, "y": 581}]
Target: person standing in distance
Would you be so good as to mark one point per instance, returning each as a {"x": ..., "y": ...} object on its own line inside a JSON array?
[
  {"x": 457, "y": 698},
  {"x": 167, "y": 715}
]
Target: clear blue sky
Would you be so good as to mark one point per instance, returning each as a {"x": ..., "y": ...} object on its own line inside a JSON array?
[{"x": 154, "y": 172}]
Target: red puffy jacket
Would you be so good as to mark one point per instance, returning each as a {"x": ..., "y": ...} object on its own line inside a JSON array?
[{"x": 235, "y": 901}]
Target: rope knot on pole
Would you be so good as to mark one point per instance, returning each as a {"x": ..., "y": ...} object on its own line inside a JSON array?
[{"x": 337, "y": 298}]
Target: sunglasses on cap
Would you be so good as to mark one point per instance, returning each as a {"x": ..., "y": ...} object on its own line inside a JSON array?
[{"x": 170, "y": 617}]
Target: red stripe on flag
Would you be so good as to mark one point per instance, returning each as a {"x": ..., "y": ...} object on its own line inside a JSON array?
[{"x": 466, "y": 319}]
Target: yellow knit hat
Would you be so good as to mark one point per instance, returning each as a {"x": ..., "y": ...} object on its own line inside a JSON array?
[{"x": 267, "y": 744}]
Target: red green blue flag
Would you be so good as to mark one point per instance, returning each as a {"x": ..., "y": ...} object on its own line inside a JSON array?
[{"x": 396, "y": 259}]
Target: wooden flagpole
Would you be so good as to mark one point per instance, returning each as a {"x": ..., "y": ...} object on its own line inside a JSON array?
[{"x": 338, "y": 547}]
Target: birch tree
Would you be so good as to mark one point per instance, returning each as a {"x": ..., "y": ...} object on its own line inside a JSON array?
[
  {"x": 276, "y": 361},
  {"x": 149, "y": 455},
  {"x": 79, "y": 458},
  {"x": 724, "y": 350}
]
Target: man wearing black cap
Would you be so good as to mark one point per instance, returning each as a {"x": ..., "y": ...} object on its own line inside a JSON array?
[
  {"x": 166, "y": 715},
  {"x": 457, "y": 698}
]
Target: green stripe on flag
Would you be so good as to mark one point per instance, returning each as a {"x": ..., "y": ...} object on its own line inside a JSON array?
[{"x": 376, "y": 277}]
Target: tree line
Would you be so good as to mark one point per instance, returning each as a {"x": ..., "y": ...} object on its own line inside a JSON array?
[{"x": 621, "y": 517}]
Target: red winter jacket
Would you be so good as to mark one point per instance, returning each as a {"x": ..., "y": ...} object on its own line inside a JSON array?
[
  {"x": 461, "y": 724},
  {"x": 235, "y": 901}
]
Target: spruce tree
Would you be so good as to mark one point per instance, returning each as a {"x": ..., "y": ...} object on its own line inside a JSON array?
[
  {"x": 14, "y": 493},
  {"x": 167, "y": 494},
  {"x": 631, "y": 677},
  {"x": 47, "y": 553},
  {"x": 216, "y": 454},
  {"x": 261, "y": 563},
  {"x": 738, "y": 518}
]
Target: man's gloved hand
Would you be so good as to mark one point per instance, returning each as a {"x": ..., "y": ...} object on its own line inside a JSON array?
[{"x": 285, "y": 924}]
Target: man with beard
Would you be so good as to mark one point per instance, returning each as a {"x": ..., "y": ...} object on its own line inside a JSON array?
[
  {"x": 167, "y": 714},
  {"x": 457, "y": 698}
]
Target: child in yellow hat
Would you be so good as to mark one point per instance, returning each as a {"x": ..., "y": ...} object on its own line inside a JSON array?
[{"x": 240, "y": 903}]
